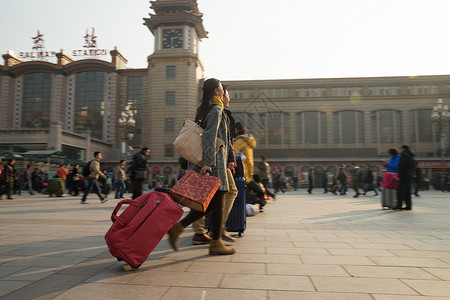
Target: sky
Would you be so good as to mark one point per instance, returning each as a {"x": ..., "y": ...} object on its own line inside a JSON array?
[{"x": 255, "y": 39}]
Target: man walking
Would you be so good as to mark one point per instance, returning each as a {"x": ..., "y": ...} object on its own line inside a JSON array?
[
  {"x": 356, "y": 174},
  {"x": 27, "y": 179},
  {"x": 94, "y": 173},
  {"x": 120, "y": 177},
  {"x": 310, "y": 181},
  {"x": 139, "y": 171},
  {"x": 264, "y": 174},
  {"x": 342, "y": 177},
  {"x": 10, "y": 175},
  {"x": 405, "y": 176}
]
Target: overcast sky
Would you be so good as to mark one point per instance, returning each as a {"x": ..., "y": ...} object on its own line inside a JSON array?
[{"x": 256, "y": 39}]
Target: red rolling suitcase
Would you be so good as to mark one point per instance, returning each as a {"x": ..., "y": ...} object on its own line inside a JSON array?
[{"x": 140, "y": 227}]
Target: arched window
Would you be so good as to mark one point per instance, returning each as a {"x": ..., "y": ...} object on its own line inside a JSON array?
[
  {"x": 89, "y": 103},
  {"x": 289, "y": 171},
  {"x": 331, "y": 169},
  {"x": 167, "y": 171},
  {"x": 348, "y": 127},
  {"x": 36, "y": 100},
  {"x": 386, "y": 126},
  {"x": 318, "y": 169},
  {"x": 311, "y": 127},
  {"x": 421, "y": 126}
]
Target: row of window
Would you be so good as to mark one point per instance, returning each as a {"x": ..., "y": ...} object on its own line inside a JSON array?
[{"x": 337, "y": 91}]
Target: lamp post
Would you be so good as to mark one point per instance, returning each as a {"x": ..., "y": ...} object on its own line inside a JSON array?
[
  {"x": 127, "y": 122},
  {"x": 439, "y": 116}
]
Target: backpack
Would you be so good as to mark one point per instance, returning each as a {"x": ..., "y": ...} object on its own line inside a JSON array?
[{"x": 87, "y": 169}]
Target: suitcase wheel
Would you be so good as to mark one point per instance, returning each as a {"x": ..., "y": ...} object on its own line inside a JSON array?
[
  {"x": 119, "y": 259},
  {"x": 128, "y": 267},
  {"x": 241, "y": 233}
]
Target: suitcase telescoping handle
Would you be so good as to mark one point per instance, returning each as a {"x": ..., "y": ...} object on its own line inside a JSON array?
[{"x": 118, "y": 206}]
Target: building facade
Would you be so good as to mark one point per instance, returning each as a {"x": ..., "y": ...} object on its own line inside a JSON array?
[{"x": 74, "y": 106}]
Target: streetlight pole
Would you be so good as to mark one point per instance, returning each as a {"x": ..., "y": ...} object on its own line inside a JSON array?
[
  {"x": 440, "y": 115},
  {"x": 127, "y": 122}
]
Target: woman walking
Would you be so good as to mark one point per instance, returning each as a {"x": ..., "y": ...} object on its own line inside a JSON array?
[{"x": 210, "y": 115}]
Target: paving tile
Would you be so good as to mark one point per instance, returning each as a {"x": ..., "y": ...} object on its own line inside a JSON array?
[
  {"x": 361, "y": 252},
  {"x": 424, "y": 253},
  {"x": 265, "y": 258},
  {"x": 286, "y": 295},
  {"x": 44, "y": 261},
  {"x": 389, "y": 272},
  {"x": 279, "y": 250},
  {"x": 183, "y": 293},
  {"x": 227, "y": 268},
  {"x": 99, "y": 291},
  {"x": 402, "y": 297},
  {"x": 321, "y": 245},
  {"x": 387, "y": 246},
  {"x": 442, "y": 273},
  {"x": 299, "y": 238},
  {"x": 46, "y": 288},
  {"x": 267, "y": 282},
  {"x": 409, "y": 262},
  {"x": 165, "y": 278},
  {"x": 430, "y": 287},
  {"x": 361, "y": 285},
  {"x": 336, "y": 260},
  {"x": 8, "y": 286},
  {"x": 302, "y": 269},
  {"x": 5, "y": 271},
  {"x": 32, "y": 274}
]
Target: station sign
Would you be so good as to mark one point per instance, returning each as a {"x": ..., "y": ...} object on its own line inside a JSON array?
[{"x": 40, "y": 53}]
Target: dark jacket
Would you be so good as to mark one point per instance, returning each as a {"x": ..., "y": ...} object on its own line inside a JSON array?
[
  {"x": 139, "y": 163},
  {"x": 10, "y": 172},
  {"x": 406, "y": 164},
  {"x": 369, "y": 177}
]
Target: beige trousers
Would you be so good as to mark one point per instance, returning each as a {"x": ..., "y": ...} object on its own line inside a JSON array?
[{"x": 199, "y": 225}]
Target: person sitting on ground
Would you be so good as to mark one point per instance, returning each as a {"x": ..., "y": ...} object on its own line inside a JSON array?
[{"x": 255, "y": 192}]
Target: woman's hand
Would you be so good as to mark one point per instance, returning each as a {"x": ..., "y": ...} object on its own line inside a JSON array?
[{"x": 205, "y": 169}]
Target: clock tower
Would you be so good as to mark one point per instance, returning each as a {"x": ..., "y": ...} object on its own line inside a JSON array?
[{"x": 175, "y": 72}]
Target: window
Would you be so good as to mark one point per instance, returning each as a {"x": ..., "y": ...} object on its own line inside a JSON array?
[
  {"x": 89, "y": 103},
  {"x": 421, "y": 125},
  {"x": 134, "y": 99},
  {"x": 170, "y": 71},
  {"x": 169, "y": 124},
  {"x": 169, "y": 150},
  {"x": 348, "y": 127},
  {"x": 36, "y": 100},
  {"x": 170, "y": 98},
  {"x": 312, "y": 127},
  {"x": 386, "y": 126}
]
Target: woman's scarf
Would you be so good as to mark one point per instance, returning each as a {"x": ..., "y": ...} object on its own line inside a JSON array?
[{"x": 218, "y": 101}]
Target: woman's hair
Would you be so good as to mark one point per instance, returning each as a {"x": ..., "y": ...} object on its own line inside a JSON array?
[
  {"x": 393, "y": 151},
  {"x": 208, "y": 93},
  {"x": 240, "y": 128}
]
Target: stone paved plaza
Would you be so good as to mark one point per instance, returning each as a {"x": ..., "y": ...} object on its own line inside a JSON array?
[{"x": 302, "y": 247}]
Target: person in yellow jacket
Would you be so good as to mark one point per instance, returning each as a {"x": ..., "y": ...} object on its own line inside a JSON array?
[{"x": 245, "y": 143}]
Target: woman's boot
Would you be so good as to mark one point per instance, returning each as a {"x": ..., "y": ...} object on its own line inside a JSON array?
[
  {"x": 174, "y": 233},
  {"x": 218, "y": 248}
]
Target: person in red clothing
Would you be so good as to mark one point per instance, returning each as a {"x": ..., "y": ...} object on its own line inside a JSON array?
[{"x": 62, "y": 173}]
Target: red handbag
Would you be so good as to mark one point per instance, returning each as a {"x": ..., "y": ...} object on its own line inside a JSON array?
[
  {"x": 390, "y": 180},
  {"x": 194, "y": 190}
]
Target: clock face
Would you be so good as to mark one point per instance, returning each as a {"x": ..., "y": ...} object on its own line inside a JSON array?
[{"x": 172, "y": 38}]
